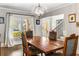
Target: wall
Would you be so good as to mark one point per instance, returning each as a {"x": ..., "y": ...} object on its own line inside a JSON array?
[
  {"x": 37, "y": 28},
  {"x": 69, "y": 27},
  {"x": 2, "y": 32}
]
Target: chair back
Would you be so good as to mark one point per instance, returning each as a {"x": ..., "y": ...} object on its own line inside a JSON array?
[
  {"x": 29, "y": 34},
  {"x": 23, "y": 41},
  {"x": 53, "y": 35},
  {"x": 25, "y": 44},
  {"x": 72, "y": 35},
  {"x": 70, "y": 45}
]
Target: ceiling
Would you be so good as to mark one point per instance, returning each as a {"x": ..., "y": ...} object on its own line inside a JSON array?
[{"x": 30, "y": 6}]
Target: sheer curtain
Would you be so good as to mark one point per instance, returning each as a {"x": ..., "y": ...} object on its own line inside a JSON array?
[
  {"x": 46, "y": 26},
  {"x": 15, "y": 28}
]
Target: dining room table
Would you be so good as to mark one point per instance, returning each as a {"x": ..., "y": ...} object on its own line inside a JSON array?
[{"x": 45, "y": 45}]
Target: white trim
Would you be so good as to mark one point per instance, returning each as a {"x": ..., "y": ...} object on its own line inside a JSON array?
[
  {"x": 2, "y": 45},
  {"x": 58, "y": 7},
  {"x": 77, "y": 52}
]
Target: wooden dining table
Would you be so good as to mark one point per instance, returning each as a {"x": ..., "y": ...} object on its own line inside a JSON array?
[{"x": 44, "y": 45}]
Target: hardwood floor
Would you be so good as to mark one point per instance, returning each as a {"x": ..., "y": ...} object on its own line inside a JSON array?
[{"x": 12, "y": 51}]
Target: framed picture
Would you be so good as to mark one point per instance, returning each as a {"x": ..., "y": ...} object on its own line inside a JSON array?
[
  {"x": 77, "y": 24},
  {"x": 72, "y": 18},
  {"x": 1, "y": 20},
  {"x": 37, "y": 22}
]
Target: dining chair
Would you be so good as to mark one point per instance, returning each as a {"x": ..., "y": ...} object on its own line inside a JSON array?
[
  {"x": 73, "y": 35},
  {"x": 70, "y": 47},
  {"x": 29, "y": 34},
  {"x": 28, "y": 50},
  {"x": 61, "y": 50},
  {"x": 53, "y": 35}
]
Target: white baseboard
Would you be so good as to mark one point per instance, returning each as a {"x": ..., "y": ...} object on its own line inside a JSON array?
[
  {"x": 2, "y": 45},
  {"x": 77, "y": 52}
]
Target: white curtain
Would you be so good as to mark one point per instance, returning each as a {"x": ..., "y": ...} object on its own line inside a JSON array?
[
  {"x": 15, "y": 26},
  {"x": 46, "y": 26}
]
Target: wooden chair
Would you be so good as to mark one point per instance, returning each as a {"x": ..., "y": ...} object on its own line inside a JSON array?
[
  {"x": 72, "y": 35},
  {"x": 29, "y": 34},
  {"x": 53, "y": 35},
  {"x": 28, "y": 50},
  {"x": 70, "y": 46}
]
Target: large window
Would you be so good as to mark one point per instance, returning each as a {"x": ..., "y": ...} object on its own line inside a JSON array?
[
  {"x": 49, "y": 23},
  {"x": 16, "y": 27}
]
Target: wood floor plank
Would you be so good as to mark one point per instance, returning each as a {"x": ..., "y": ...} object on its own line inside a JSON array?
[{"x": 11, "y": 51}]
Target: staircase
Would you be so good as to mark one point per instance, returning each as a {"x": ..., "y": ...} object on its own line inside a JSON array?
[{"x": 59, "y": 28}]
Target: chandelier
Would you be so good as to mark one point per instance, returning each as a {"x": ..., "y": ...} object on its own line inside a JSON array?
[{"x": 39, "y": 10}]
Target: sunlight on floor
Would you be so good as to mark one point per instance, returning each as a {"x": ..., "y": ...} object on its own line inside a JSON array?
[{"x": 17, "y": 53}]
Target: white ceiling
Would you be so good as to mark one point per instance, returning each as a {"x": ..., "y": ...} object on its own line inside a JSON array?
[{"x": 30, "y": 6}]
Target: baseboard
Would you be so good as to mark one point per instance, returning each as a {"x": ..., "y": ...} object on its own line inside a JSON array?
[
  {"x": 77, "y": 52},
  {"x": 2, "y": 45}
]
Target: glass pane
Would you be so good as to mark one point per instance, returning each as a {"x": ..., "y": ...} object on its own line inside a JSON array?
[{"x": 16, "y": 27}]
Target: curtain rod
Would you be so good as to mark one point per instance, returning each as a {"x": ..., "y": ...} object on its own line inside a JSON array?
[{"x": 20, "y": 14}]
